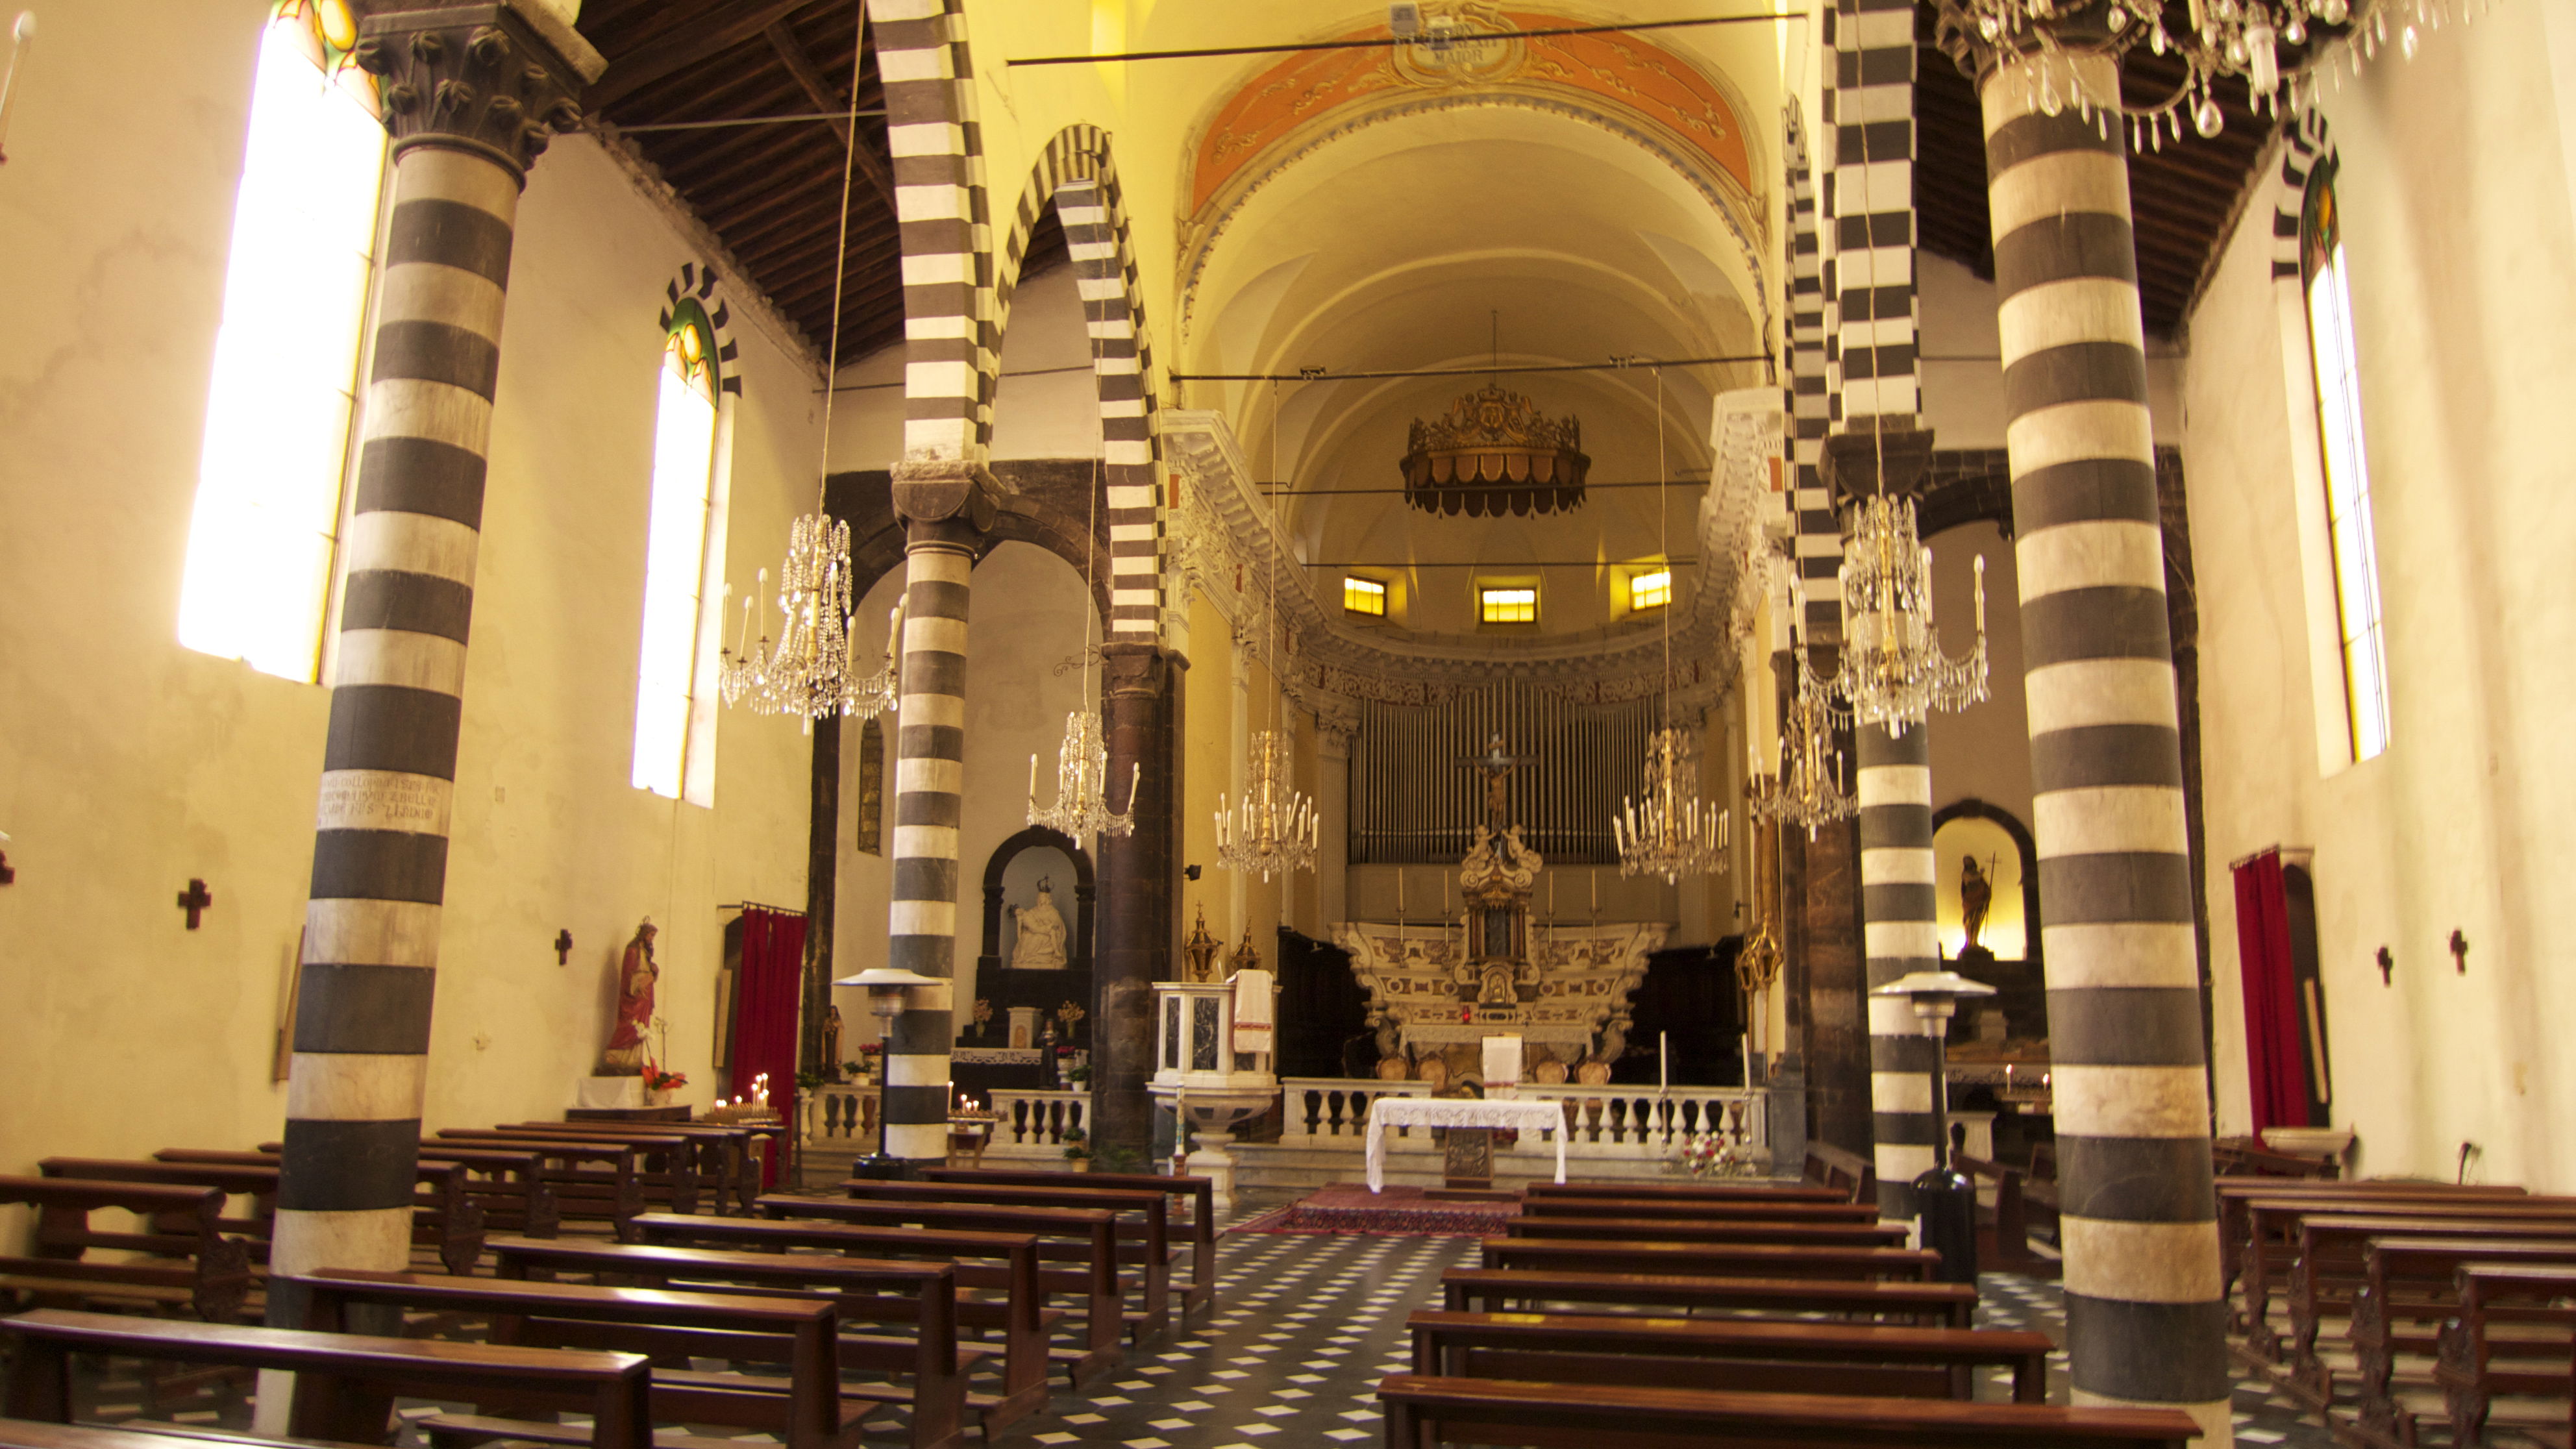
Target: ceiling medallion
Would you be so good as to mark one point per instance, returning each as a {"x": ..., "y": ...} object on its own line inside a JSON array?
[{"x": 1495, "y": 453}]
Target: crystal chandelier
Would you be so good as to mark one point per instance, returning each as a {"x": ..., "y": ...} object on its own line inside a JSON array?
[
  {"x": 1273, "y": 829},
  {"x": 1893, "y": 670},
  {"x": 1807, "y": 791},
  {"x": 2218, "y": 39},
  {"x": 1672, "y": 834},
  {"x": 1081, "y": 784}
]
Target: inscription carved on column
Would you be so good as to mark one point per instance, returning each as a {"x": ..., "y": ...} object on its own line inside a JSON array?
[{"x": 500, "y": 79}]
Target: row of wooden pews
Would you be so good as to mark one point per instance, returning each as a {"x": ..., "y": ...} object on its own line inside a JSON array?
[
  {"x": 1820, "y": 1328},
  {"x": 607, "y": 1277},
  {"x": 2408, "y": 1312}
]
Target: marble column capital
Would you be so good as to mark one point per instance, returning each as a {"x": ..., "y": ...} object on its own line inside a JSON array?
[
  {"x": 1132, "y": 671},
  {"x": 498, "y": 80},
  {"x": 948, "y": 491},
  {"x": 1893, "y": 461}
]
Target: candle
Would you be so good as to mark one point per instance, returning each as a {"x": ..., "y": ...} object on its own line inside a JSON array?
[
  {"x": 1745, "y": 1043},
  {"x": 1663, "y": 1061},
  {"x": 1981, "y": 593},
  {"x": 1033, "y": 779}
]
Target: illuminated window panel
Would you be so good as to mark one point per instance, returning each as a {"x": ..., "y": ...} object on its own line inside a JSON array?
[
  {"x": 264, "y": 532},
  {"x": 1650, "y": 591},
  {"x": 2347, "y": 467},
  {"x": 684, "y": 439},
  {"x": 1364, "y": 596},
  {"x": 1507, "y": 606}
]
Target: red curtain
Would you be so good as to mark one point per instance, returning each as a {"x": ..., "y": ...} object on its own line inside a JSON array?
[
  {"x": 766, "y": 992},
  {"x": 2276, "y": 1074}
]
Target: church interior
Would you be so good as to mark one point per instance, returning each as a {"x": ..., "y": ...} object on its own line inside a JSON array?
[{"x": 1204, "y": 725}]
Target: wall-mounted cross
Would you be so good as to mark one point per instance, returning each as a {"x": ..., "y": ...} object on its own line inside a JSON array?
[
  {"x": 563, "y": 947},
  {"x": 2387, "y": 968},
  {"x": 2459, "y": 951},
  {"x": 194, "y": 901}
]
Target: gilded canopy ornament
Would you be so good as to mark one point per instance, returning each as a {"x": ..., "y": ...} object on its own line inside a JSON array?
[{"x": 1495, "y": 452}]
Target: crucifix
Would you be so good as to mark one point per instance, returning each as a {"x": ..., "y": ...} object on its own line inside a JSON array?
[
  {"x": 563, "y": 947},
  {"x": 194, "y": 901},
  {"x": 1496, "y": 764},
  {"x": 2459, "y": 951}
]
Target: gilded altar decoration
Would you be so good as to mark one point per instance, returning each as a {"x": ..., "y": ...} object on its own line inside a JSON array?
[{"x": 1495, "y": 453}]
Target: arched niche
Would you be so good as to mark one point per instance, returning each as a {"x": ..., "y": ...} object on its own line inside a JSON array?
[
  {"x": 1005, "y": 988},
  {"x": 2014, "y": 967}
]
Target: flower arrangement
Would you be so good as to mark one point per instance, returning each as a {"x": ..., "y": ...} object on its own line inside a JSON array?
[
  {"x": 1705, "y": 1154},
  {"x": 1070, "y": 1013},
  {"x": 658, "y": 1080},
  {"x": 1077, "y": 1145}
]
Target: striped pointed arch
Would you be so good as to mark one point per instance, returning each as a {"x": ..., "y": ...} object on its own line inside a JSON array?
[
  {"x": 2305, "y": 145},
  {"x": 695, "y": 288},
  {"x": 1076, "y": 173},
  {"x": 950, "y": 339}
]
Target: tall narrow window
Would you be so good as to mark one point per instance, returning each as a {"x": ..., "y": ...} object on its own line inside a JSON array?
[
  {"x": 684, "y": 446},
  {"x": 2347, "y": 463},
  {"x": 261, "y": 540}
]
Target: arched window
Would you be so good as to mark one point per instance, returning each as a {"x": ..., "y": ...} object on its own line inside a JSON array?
[
  {"x": 684, "y": 486},
  {"x": 263, "y": 535},
  {"x": 684, "y": 456},
  {"x": 2322, "y": 272}
]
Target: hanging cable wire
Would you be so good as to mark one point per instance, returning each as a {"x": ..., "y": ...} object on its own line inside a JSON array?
[
  {"x": 1673, "y": 833},
  {"x": 1082, "y": 764},
  {"x": 1274, "y": 829}
]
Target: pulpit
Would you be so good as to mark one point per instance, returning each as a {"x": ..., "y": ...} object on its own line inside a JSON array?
[{"x": 1213, "y": 1043}]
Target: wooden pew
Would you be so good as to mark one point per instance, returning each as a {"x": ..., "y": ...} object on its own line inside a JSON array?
[
  {"x": 2332, "y": 1267},
  {"x": 1146, "y": 1243},
  {"x": 1687, "y": 1191},
  {"x": 1766, "y": 1357},
  {"x": 811, "y": 1408},
  {"x": 665, "y": 1165},
  {"x": 2248, "y": 1157},
  {"x": 1853, "y": 1176},
  {"x": 2003, "y": 1229},
  {"x": 2410, "y": 1285},
  {"x": 1669, "y": 1230},
  {"x": 448, "y": 1216},
  {"x": 32, "y": 1434},
  {"x": 1423, "y": 1411},
  {"x": 2236, "y": 1194},
  {"x": 1711, "y": 1260},
  {"x": 1935, "y": 1305},
  {"x": 2275, "y": 1224},
  {"x": 514, "y": 1187},
  {"x": 2478, "y": 1363},
  {"x": 1006, "y": 1263},
  {"x": 727, "y": 1165},
  {"x": 764, "y": 1144},
  {"x": 345, "y": 1383},
  {"x": 1092, "y": 1233},
  {"x": 207, "y": 1273},
  {"x": 1200, "y": 1192},
  {"x": 1716, "y": 1210},
  {"x": 591, "y": 1181}
]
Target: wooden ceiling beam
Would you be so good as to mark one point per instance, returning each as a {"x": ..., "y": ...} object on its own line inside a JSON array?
[
  {"x": 827, "y": 97},
  {"x": 728, "y": 27}
]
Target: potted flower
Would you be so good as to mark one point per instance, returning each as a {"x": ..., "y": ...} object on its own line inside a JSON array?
[
  {"x": 871, "y": 1059},
  {"x": 660, "y": 1084},
  {"x": 1077, "y": 1150},
  {"x": 1708, "y": 1155}
]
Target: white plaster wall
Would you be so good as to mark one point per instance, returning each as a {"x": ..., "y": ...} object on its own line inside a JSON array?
[
  {"x": 129, "y": 764},
  {"x": 1962, "y": 362},
  {"x": 2457, "y": 228}
]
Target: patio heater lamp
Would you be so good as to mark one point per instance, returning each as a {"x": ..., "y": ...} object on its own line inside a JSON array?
[
  {"x": 1945, "y": 1201},
  {"x": 885, "y": 987}
]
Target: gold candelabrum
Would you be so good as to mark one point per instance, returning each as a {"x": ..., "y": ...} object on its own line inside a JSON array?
[
  {"x": 1672, "y": 833},
  {"x": 813, "y": 670},
  {"x": 1893, "y": 671},
  {"x": 1273, "y": 829},
  {"x": 1807, "y": 788},
  {"x": 1081, "y": 805}
]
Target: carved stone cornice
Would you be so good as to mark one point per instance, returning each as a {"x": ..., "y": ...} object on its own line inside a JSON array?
[
  {"x": 947, "y": 490},
  {"x": 495, "y": 79}
]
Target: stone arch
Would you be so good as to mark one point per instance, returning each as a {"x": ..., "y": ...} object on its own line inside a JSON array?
[
  {"x": 947, "y": 234},
  {"x": 1077, "y": 174},
  {"x": 695, "y": 288},
  {"x": 1078, "y": 950},
  {"x": 2305, "y": 145}
]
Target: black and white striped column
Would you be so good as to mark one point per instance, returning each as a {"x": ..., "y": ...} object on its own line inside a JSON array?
[
  {"x": 929, "y": 776},
  {"x": 1894, "y": 786},
  {"x": 389, "y": 762},
  {"x": 1809, "y": 402},
  {"x": 2145, "y": 1320}
]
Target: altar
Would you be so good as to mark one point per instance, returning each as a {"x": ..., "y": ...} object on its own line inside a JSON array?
[{"x": 1481, "y": 1115}]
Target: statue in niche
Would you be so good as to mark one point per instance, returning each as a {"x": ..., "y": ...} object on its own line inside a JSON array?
[
  {"x": 1976, "y": 897},
  {"x": 1040, "y": 944},
  {"x": 1496, "y": 988},
  {"x": 636, "y": 975},
  {"x": 832, "y": 1041}
]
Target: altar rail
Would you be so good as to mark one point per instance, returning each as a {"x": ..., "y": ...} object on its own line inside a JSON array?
[
  {"x": 1603, "y": 1121},
  {"x": 1030, "y": 1125}
]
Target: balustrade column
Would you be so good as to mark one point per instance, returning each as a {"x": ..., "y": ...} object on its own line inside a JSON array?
[
  {"x": 2145, "y": 1319},
  {"x": 472, "y": 94}
]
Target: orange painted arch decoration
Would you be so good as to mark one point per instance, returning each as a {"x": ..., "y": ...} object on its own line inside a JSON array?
[{"x": 1633, "y": 74}]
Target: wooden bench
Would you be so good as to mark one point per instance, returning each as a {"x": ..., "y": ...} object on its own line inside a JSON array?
[
  {"x": 31, "y": 1434},
  {"x": 2409, "y": 1287},
  {"x": 1084, "y": 1237},
  {"x": 810, "y": 1408},
  {"x": 1199, "y": 1192},
  {"x": 2003, "y": 1226},
  {"x": 448, "y": 1217},
  {"x": 1851, "y": 1175},
  {"x": 2511, "y": 1336},
  {"x": 345, "y": 1383},
  {"x": 512, "y": 1185},
  {"x": 1145, "y": 1242},
  {"x": 2248, "y": 1157},
  {"x": 1423, "y": 1410},
  {"x": 1715, "y": 1210},
  {"x": 2236, "y": 1195},
  {"x": 728, "y": 1165},
  {"x": 2332, "y": 1267},
  {"x": 1744, "y": 1354},
  {"x": 1686, "y": 1191},
  {"x": 2277, "y": 1226},
  {"x": 1711, "y": 1260},
  {"x": 993, "y": 1262},
  {"x": 1673, "y": 1230},
  {"x": 199, "y": 1269},
  {"x": 1938, "y": 1305},
  {"x": 663, "y": 1167},
  {"x": 591, "y": 1181}
]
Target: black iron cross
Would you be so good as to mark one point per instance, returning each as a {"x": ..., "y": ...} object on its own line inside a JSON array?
[
  {"x": 2459, "y": 951},
  {"x": 194, "y": 901},
  {"x": 2387, "y": 968},
  {"x": 563, "y": 948}
]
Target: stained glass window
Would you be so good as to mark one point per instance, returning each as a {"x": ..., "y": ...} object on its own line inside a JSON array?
[
  {"x": 684, "y": 443},
  {"x": 2347, "y": 463},
  {"x": 264, "y": 532}
]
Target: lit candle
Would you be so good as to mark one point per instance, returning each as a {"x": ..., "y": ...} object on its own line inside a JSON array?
[
  {"x": 1981, "y": 593},
  {"x": 1033, "y": 779}
]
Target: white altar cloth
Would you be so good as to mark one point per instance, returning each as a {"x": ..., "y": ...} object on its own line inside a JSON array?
[{"x": 1528, "y": 1116}]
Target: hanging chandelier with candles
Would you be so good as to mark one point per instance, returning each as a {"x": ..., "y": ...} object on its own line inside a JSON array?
[
  {"x": 1081, "y": 805},
  {"x": 1273, "y": 829},
  {"x": 1893, "y": 671},
  {"x": 1672, "y": 833},
  {"x": 1807, "y": 790}
]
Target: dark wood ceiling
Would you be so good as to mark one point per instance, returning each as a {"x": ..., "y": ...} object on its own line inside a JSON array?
[
  {"x": 772, "y": 192},
  {"x": 2181, "y": 197}
]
